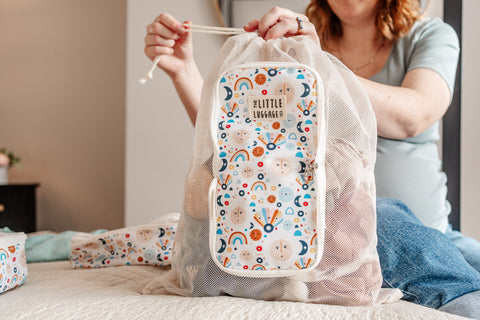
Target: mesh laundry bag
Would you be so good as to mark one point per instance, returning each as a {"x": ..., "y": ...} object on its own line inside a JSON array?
[{"x": 280, "y": 196}]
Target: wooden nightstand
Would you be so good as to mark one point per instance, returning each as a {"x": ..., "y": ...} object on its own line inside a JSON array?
[{"x": 18, "y": 207}]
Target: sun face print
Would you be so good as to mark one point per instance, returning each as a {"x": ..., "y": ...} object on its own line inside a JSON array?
[
  {"x": 144, "y": 235},
  {"x": 285, "y": 89},
  {"x": 247, "y": 172},
  {"x": 238, "y": 215},
  {"x": 281, "y": 250},
  {"x": 246, "y": 255},
  {"x": 281, "y": 167},
  {"x": 240, "y": 136}
]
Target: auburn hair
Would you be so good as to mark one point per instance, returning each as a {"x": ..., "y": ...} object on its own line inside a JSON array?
[{"x": 394, "y": 18}]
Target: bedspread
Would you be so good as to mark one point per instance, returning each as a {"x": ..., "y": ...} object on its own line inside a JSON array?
[{"x": 54, "y": 290}]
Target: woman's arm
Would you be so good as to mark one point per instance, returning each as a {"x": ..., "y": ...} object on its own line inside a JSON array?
[
  {"x": 168, "y": 38},
  {"x": 406, "y": 111},
  {"x": 188, "y": 84}
]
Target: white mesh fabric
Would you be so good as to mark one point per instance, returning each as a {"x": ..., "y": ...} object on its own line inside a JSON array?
[{"x": 349, "y": 271}]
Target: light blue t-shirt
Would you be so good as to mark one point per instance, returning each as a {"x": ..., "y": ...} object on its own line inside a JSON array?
[{"x": 410, "y": 170}]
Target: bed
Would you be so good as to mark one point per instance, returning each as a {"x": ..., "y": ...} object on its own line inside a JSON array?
[{"x": 54, "y": 290}]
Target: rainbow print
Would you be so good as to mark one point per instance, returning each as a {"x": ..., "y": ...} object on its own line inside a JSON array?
[
  {"x": 14, "y": 278},
  {"x": 3, "y": 254},
  {"x": 258, "y": 267},
  {"x": 240, "y": 154},
  {"x": 243, "y": 83},
  {"x": 237, "y": 237},
  {"x": 259, "y": 185},
  {"x": 314, "y": 240}
]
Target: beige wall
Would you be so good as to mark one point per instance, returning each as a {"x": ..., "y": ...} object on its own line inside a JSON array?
[
  {"x": 470, "y": 187},
  {"x": 159, "y": 134},
  {"x": 62, "y": 107}
]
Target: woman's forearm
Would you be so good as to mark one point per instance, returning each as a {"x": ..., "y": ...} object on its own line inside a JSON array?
[
  {"x": 410, "y": 109},
  {"x": 188, "y": 84}
]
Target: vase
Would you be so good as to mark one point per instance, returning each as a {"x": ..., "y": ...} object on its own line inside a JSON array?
[{"x": 3, "y": 175}]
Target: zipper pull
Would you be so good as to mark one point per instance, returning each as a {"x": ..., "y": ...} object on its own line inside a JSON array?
[{"x": 310, "y": 170}]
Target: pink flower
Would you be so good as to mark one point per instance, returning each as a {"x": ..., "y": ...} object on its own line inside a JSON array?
[{"x": 4, "y": 160}]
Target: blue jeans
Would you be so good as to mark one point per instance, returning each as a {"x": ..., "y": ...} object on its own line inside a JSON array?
[
  {"x": 470, "y": 248},
  {"x": 422, "y": 262}
]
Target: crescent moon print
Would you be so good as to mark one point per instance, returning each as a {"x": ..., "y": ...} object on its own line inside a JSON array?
[
  {"x": 303, "y": 167},
  {"x": 162, "y": 232},
  {"x": 220, "y": 125},
  {"x": 229, "y": 93},
  {"x": 299, "y": 127},
  {"x": 223, "y": 246},
  {"x": 306, "y": 91},
  {"x": 224, "y": 165},
  {"x": 297, "y": 201},
  {"x": 219, "y": 201},
  {"x": 304, "y": 248}
]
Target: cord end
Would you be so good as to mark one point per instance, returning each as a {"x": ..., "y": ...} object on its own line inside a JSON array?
[{"x": 146, "y": 78}]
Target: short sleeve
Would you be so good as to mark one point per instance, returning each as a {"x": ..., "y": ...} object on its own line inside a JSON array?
[{"x": 436, "y": 48}]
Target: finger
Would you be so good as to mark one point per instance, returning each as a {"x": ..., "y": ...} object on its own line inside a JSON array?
[
  {"x": 153, "y": 39},
  {"x": 171, "y": 23},
  {"x": 272, "y": 17},
  {"x": 308, "y": 30},
  {"x": 283, "y": 28},
  {"x": 153, "y": 51},
  {"x": 157, "y": 28},
  {"x": 251, "y": 26},
  {"x": 187, "y": 36}
]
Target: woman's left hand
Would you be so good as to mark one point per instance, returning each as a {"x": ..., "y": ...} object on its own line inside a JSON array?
[{"x": 279, "y": 22}]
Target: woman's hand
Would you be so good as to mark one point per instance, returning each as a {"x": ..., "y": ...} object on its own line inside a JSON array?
[
  {"x": 279, "y": 22},
  {"x": 168, "y": 38}
]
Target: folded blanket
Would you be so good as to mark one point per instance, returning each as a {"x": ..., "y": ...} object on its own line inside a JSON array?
[{"x": 46, "y": 246}]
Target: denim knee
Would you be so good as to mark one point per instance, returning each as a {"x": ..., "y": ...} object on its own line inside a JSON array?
[{"x": 420, "y": 261}]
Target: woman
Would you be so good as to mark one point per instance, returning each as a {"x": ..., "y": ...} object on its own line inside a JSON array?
[{"x": 407, "y": 67}]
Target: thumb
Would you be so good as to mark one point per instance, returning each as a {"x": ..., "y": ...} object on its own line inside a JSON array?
[{"x": 185, "y": 34}]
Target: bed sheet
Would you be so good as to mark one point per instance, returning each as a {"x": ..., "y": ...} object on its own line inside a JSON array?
[{"x": 54, "y": 290}]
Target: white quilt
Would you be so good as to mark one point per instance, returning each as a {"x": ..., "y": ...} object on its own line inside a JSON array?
[{"x": 55, "y": 291}]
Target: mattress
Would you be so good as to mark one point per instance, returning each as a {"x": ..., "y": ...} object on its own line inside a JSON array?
[{"x": 54, "y": 290}]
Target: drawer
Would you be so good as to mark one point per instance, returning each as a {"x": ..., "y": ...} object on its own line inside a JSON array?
[{"x": 17, "y": 210}]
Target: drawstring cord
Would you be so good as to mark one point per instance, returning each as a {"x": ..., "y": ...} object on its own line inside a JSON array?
[
  {"x": 194, "y": 28},
  {"x": 214, "y": 30}
]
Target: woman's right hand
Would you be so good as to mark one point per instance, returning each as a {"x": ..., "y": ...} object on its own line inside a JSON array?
[{"x": 168, "y": 38}]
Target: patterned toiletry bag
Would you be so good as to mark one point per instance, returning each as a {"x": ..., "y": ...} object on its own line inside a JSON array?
[{"x": 13, "y": 264}]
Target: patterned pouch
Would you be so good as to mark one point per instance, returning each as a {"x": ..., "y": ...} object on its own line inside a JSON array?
[
  {"x": 13, "y": 265},
  {"x": 148, "y": 244},
  {"x": 268, "y": 166}
]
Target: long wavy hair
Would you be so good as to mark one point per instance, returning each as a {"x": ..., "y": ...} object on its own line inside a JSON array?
[{"x": 394, "y": 18}]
